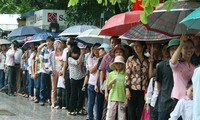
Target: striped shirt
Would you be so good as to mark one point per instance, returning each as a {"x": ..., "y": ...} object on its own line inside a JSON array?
[{"x": 47, "y": 57}]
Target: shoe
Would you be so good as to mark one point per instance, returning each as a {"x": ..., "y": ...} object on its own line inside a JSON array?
[
  {"x": 36, "y": 101},
  {"x": 57, "y": 107},
  {"x": 64, "y": 108},
  {"x": 73, "y": 113},
  {"x": 52, "y": 106},
  {"x": 82, "y": 112},
  {"x": 41, "y": 103},
  {"x": 31, "y": 98},
  {"x": 26, "y": 96}
]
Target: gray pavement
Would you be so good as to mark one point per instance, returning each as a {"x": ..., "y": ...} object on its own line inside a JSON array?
[{"x": 20, "y": 108}]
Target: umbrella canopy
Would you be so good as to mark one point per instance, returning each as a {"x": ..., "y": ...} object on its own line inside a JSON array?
[
  {"x": 25, "y": 31},
  {"x": 92, "y": 36},
  {"x": 120, "y": 23},
  {"x": 192, "y": 21},
  {"x": 42, "y": 36},
  {"x": 76, "y": 30},
  {"x": 167, "y": 22},
  {"x": 4, "y": 41},
  {"x": 141, "y": 33}
]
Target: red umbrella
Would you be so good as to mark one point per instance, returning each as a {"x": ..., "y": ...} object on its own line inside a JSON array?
[{"x": 120, "y": 23}]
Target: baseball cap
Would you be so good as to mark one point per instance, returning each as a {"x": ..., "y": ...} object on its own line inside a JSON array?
[
  {"x": 173, "y": 42},
  {"x": 105, "y": 46}
]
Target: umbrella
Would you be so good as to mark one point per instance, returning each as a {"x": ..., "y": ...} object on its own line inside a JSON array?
[
  {"x": 192, "y": 21},
  {"x": 76, "y": 30},
  {"x": 42, "y": 36},
  {"x": 141, "y": 33},
  {"x": 25, "y": 31},
  {"x": 120, "y": 23},
  {"x": 4, "y": 41},
  {"x": 92, "y": 36},
  {"x": 167, "y": 22}
]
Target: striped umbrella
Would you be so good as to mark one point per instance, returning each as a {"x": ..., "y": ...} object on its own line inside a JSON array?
[
  {"x": 141, "y": 33},
  {"x": 167, "y": 22}
]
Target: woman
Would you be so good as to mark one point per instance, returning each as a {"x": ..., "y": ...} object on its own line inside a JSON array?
[
  {"x": 91, "y": 65},
  {"x": 182, "y": 68},
  {"x": 137, "y": 68},
  {"x": 56, "y": 68}
]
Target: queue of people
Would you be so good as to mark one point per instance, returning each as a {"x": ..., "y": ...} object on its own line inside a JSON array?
[{"x": 121, "y": 81}]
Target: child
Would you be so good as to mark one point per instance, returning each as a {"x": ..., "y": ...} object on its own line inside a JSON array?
[
  {"x": 117, "y": 95},
  {"x": 60, "y": 89},
  {"x": 184, "y": 106}
]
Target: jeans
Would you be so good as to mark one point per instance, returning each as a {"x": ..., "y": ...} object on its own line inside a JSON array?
[
  {"x": 11, "y": 80},
  {"x": 99, "y": 104},
  {"x": 61, "y": 97},
  {"x": 153, "y": 113},
  {"x": 30, "y": 86},
  {"x": 2, "y": 78},
  {"x": 45, "y": 87},
  {"x": 77, "y": 95},
  {"x": 91, "y": 101},
  {"x": 37, "y": 85}
]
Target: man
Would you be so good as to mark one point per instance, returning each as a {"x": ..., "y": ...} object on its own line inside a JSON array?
[
  {"x": 18, "y": 55},
  {"x": 196, "y": 56},
  {"x": 10, "y": 66},
  {"x": 164, "y": 78},
  {"x": 46, "y": 69}
]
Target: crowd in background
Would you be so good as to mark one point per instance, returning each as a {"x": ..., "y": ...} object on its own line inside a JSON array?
[{"x": 140, "y": 81}]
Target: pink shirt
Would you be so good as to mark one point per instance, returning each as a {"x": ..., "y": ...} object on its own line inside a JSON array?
[
  {"x": 182, "y": 73},
  {"x": 107, "y": 59},
  {"x": 90, "y": 63}
]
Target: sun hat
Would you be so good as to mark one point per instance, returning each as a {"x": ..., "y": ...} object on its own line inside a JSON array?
[
  {"x": 173, "y": 42},
  {"x": 118, "y": 59},
  {"x": 55, "y": 42},
  {"x": 105, "y": 46}
]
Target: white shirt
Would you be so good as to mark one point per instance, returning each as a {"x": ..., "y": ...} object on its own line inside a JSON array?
[
  {"x": 152, "y": 93},
  {"x": 196, "y": 93},
  {"x": 2, "y": 60},
  {"x": 18, "y": 55},
  {"x": 30, "y": 62},
  {"x": 183, "y": 108},
  {"x": 64, "y": 55},
  {"x": 10, "y": 58},
  {"x": 75, "y": 69}
]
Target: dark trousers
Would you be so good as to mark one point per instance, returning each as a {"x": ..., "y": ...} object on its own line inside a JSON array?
[
  {"x": 45, "y": 87},
  {"x": 25, "y": 81},
  {"x": 153, "y": 113},
  {"x": 99, "y": 104},
  {"x": 67, "y": 89},
  {"x": 60, "y": 92},
  {"x": 77, "y": 95},
  {"x": 11, "y": 80},
  {"x": 135, "y": 105},
  {"x": 2, "y": 78}
]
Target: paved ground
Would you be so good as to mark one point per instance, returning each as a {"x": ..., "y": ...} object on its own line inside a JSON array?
[{"x": 19, "y": 108}]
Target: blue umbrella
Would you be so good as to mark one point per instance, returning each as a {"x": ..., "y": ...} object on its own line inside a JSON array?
[
  {"x": 192, "y": 21},
  {"x": 76, "y": 30},
  {"x": 42, "y": 36},
  {"x": 25, "y": 31},
  {"x": 39, "y": 37}
]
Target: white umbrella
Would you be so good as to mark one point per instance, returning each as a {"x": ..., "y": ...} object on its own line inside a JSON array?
[
  {"x": 92, "y": 36},
  {"x": 4, "y": 41}
]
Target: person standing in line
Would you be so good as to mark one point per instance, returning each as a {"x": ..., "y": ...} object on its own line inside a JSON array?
[
  {"x": 117, "y": 95},
  {"x": 2, "y": 65},
  {"x": 10, "y": 66},
  {"x": 184, "y": 106},
  {"x": 195, "y": 59},
  {"x": 75, "y": 62},
  {"x": 164, "y": 79},
  {"x": 46, "y": 70},
  {"x": 18, "y": 55},
  {"x": 56, "y": 55},
  {"x": 137, "y": 73}
]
